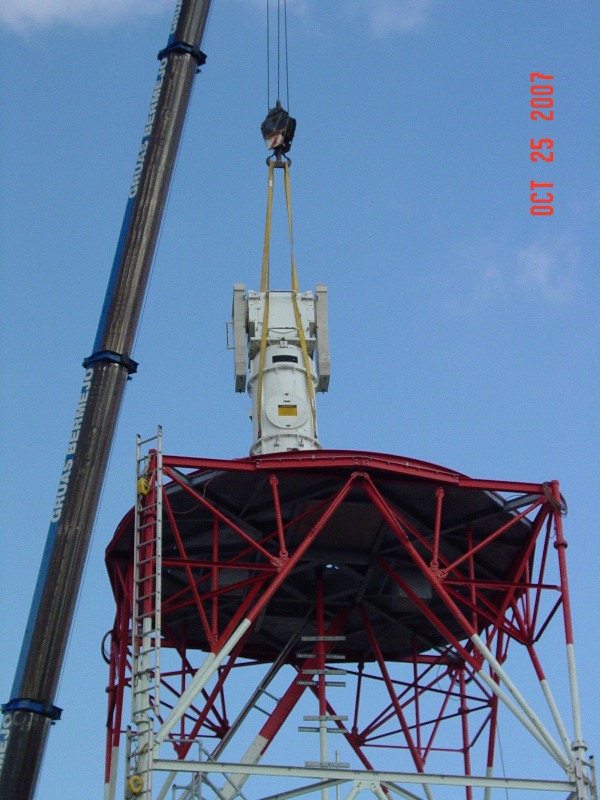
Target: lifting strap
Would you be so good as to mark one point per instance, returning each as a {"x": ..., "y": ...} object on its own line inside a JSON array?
[{"x": 264, "y": 288}]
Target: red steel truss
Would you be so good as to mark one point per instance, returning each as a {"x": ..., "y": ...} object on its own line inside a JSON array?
[{"x": 364, "y": 595}]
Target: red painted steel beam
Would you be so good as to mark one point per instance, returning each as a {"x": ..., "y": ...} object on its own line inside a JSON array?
[
  {"x": 222, "y": 517},
  {"x": 416, "y": 755},
  {"x": 483, "y": 600},
  {"x": 187, "y": 569},
  {"x": 322, "y": 460}
]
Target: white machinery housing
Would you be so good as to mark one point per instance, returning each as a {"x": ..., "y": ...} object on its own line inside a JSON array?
[{"x": 286, "y": 419}]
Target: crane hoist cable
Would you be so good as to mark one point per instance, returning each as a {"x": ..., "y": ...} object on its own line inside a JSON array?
[
  {"x": 278, "y": 50},
  {"x": 278, "y": 130}
]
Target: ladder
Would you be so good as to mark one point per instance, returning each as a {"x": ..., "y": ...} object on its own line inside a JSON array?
[
  {"x": 146, "y": 615},
  {"x": 322, "y": 673}
]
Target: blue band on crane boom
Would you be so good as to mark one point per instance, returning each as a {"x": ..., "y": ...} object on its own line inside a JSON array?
[
  {"x": 115, "y": 358},
  {"x": 23, "y": 704},
  {"x": 183, "y": 47}
]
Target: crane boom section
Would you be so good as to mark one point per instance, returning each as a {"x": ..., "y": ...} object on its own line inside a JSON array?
[{"x": 31, "y": 710}]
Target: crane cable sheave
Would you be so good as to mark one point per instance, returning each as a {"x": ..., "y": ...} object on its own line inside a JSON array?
[{"x": 281, "y": 337}]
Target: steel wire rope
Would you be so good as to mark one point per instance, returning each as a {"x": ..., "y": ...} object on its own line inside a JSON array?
[
  {"x": 278, "y": 49},
  {"x": 268, "y": 60},
  {"x": 265, "y": 269},
  {"x": 281, "y": 39},
  {"x": 287, "y": 68},
  {"x": 502, "y": 758}
]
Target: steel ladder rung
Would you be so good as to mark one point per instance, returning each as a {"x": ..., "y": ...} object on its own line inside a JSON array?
[
  {"x": 139, "y": 582},
  {"x": 147, "y": 506},
  {"x": 147, "y": 651},
  {"x": 151, "y": 574},
  {"x": 153, "y": 438},
  {"x": 143, "y": 597},
  {"x": 145, "y": 579},
  {"x": 143, "y": 691},
  {"x": 143, "y": 561},
  {"x": 328, "y": 656},
  {"x": 151, "y": 684},
  {"x": 334, "y": 684},
  {"x": 142, "y": 526},
  {"x": 137, "y": 692},
  {"x": 142, "y": 509},
  {"x": 306, "y": 729},
  {"x": 146, "y": 614},
  {"x": 323, "y": 638},
  {"x": 146, "y": 509},
  {"x": 324, "y": 671},
  {"x": 152, "y": 645}
]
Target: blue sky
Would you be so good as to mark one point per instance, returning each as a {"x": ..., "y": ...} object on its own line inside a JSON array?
[{"x": 464, "y": 330}]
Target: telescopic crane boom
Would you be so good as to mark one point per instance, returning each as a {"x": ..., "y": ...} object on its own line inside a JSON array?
[{"x": 31, "y": 709}]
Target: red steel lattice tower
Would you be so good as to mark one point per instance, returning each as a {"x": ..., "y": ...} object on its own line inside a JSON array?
[{"x": 374, "y": 601}]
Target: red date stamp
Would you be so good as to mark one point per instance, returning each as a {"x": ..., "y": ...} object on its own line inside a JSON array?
[{"x": 542, "y": 149}]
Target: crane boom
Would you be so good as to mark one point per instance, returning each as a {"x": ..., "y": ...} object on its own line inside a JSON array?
[{"x": 29, "y": 713}]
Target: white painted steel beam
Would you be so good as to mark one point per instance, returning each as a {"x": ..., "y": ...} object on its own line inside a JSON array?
[
  {"x": 111, "y": 786},
  {"x": 528, "y": 716},
  {"x": 400, "y": 791},
  {"x": 260, "y": 689},
  {"x": 364, "y": 776},
  {"x": 298, "y": 792},
  {"x": 203, "y": 675},
  {"x": 560, "y": 726}
]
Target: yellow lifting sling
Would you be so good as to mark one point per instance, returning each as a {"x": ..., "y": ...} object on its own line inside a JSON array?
[{"x": 264, "y": 288}]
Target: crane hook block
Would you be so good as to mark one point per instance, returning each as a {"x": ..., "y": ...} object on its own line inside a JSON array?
[{"x": 278, "y": 129}]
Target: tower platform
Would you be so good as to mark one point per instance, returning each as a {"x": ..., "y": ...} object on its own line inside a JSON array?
[
  {"x": 237, "y": 509},
  {"x": 382, "y": 591}
]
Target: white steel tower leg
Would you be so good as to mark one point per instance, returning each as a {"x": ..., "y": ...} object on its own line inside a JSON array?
[{"x": 527, "y": 716}]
